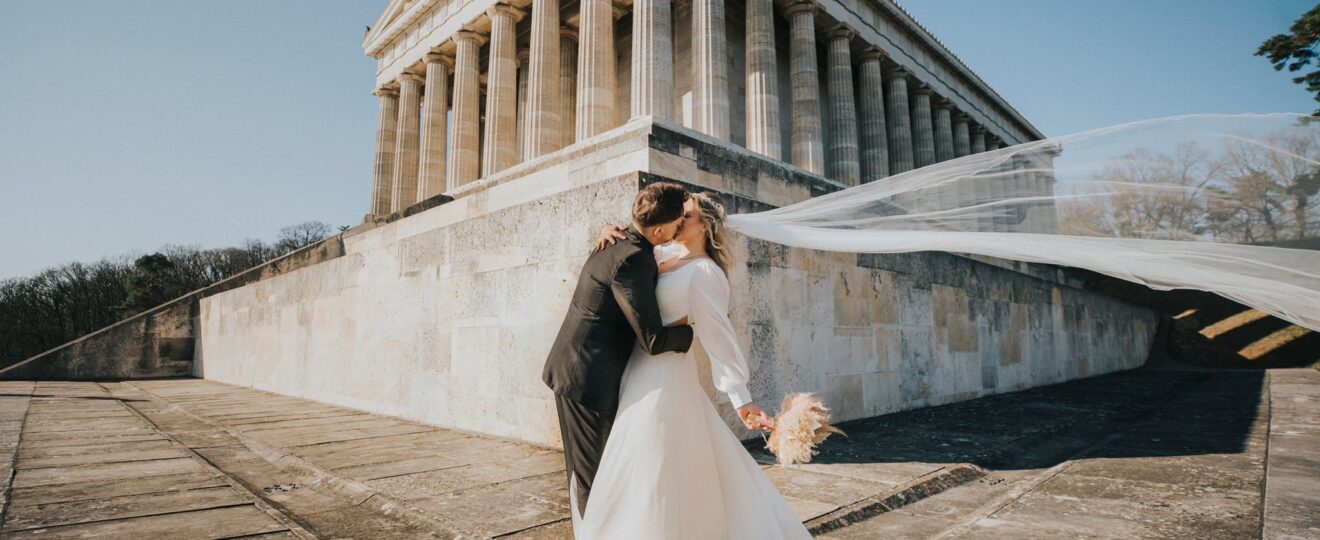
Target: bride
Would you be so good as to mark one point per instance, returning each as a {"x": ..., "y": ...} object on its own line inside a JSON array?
[{"x": 671, "y": 468}]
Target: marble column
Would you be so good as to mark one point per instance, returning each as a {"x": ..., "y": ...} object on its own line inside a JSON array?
[
  {"x": 1002, "y": 189},
  {"x": 962, "y": 146},
  {"x": 843, "y": 108},
  {"x": 900, "y": 121},
  {"x": 710, "y": 69},
  {"x": 1046, "y": 185},
  {"x": 542, "y": 132},
  {"x": 943, "y": 130},
  {"x": 568, "y": 58},
  {"x": 596, "y": 69},
  {"x": 762, "y": 81},
  {"x": 923, "y": 129},
  {"x": 520, "y": 129},
  {"x": 408, "y": 143},
  {"x": 1023, "y": 187},
  {"x": 943, "y": 120},
  {"x": 499, "y": 144},
  {"x": 385, "y": 142},
  {"x": 807, "y": 146},
  {"x": 962, "y": 138},
  {"x": 435, "y": 111},
  {"x": 464, "y": 156},
  {"x": 978, "y": 140},
  {"x": 981, "y": 184},
  {"x": 874, "y": 151},
  {"x": 653, "y": 59}
]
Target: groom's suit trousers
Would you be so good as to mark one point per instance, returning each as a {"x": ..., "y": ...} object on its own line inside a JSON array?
[{"x": 585, "y": 431}]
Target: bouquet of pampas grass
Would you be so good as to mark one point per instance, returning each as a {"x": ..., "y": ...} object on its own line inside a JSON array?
[{"x": 802, "y": 424}]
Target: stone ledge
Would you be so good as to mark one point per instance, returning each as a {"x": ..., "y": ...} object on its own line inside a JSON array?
[{"x": 927, "y": 485}]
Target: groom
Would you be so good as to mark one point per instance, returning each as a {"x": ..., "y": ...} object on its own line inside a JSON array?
[{"x": 613, "y": 307}]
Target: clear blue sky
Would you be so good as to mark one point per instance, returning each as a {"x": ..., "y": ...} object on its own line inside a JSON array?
[{"x": 128, "y": 125}]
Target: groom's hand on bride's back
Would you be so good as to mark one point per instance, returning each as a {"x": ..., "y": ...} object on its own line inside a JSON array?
[{"x": 610, "y": 234}]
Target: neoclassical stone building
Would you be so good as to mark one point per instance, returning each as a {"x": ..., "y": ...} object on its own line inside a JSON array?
[
  {"x": 511, "y": 132},
  {"x": 850, "y": 90}
]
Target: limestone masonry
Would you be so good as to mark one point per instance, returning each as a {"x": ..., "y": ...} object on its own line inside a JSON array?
[
  {"x": 787, "y": 80},
  {"x": 510, "y": 132}
]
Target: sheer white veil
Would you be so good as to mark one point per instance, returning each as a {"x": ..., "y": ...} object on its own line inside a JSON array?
[{"x": 1220, "y": 203}]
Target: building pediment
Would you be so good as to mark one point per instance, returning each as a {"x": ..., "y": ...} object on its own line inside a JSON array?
[{"x": 398, "y": 14}]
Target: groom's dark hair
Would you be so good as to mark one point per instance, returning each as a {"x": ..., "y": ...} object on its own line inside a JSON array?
[{"x": 658, "y": 204}]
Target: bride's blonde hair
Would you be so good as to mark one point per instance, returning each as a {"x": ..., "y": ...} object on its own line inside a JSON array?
[{"x": 717, "y": 239}]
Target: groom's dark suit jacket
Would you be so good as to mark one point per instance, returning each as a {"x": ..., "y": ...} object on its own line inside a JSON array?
[{"x": 613, "y": 307}]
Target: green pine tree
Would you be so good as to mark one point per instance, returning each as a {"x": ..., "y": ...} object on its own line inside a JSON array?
[{"x": 1296, "y": 50}]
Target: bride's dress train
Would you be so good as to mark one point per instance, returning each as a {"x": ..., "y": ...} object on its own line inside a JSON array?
[{"x": 671, "y": 468}]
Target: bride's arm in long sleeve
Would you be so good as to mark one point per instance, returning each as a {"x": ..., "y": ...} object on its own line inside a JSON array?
[{"x": 708, "y": 310}]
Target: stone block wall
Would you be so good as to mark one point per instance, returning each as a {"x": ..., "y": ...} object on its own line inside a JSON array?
[
  {"x": 879, "y": 333},
  {"x": 445, "y": 316},
  {"x": 159, "y": 342},
  {"x": 154, "y": 344}
]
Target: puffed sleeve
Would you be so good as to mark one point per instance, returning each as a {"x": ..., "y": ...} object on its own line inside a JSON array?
[{"x": 708, "y": 307}]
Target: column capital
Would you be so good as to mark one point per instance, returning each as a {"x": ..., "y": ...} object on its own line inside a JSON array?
[
  {"x": 437, "y": 58},
  {"x": 471, "y": 36},
  {"x": 897, "y": 72},
  {"x": 523, "y": 55},
  {"x": 618, "y": 11},
  {"x": 979, "y": 130},
  {"x": 568, "y": 33},
  {"x": 385, "y": 91},
  {"x": 802, "y": 6},
  {"x": 870, "y": 53},
  {"x": 922, "y": 89},
  {"x": 841, "y": 32},
  {"x": 505, "y": 9},
  {"x": 941, "y": 102},
  {"x": 962, "y": 117},
  {"x": 409, "y": 76}
]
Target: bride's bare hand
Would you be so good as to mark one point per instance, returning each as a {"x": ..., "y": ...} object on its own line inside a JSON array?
[
  {"x": 754, "y": 417},
  {"x": 610, "y": 234}
]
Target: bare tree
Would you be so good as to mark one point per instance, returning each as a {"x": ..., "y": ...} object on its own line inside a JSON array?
[
  {"x": 303, "y": 234},
  {"x": 61, "y": 303}
]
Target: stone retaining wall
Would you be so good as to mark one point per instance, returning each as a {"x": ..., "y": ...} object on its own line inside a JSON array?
[
  {"x": 159, "y": 342},
  {"x": 445, "y": 316}
]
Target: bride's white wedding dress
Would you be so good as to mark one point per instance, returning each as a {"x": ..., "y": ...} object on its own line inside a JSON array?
[{"x": 671, "y": 468}]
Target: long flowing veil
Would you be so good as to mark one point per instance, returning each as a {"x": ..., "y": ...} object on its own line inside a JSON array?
[{"x": 1220, "y": 203}]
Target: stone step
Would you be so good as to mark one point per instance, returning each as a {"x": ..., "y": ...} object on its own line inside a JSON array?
[{"x": 929, "y": 485}]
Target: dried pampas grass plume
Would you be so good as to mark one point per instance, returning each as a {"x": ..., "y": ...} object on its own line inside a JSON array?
[{"x": 802, "y": 424}]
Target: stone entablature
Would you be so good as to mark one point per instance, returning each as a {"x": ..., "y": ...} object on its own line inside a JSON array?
[
  {"x": 853, "y": 91},
  {"x": 906, "y": 43}
]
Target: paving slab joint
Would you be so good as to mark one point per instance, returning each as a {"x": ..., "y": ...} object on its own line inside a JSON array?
[
  {"x": 357, "y": 492},
  {"x": 261, "y": 503},
  {"x": 11, "y": 468},
  {"x": 922, "y": 487}
]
